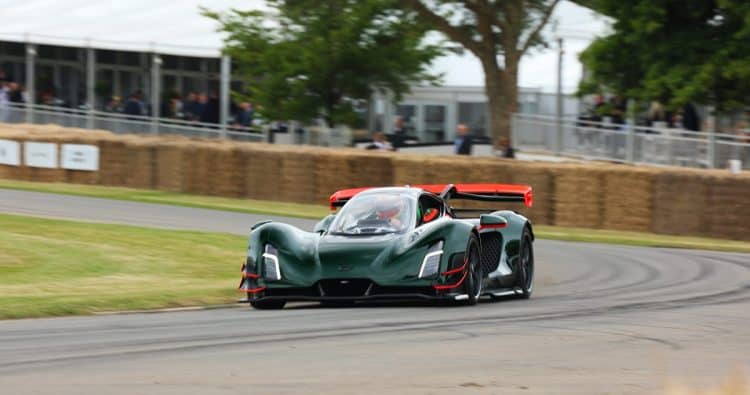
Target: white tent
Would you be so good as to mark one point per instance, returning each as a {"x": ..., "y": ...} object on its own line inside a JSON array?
[{"x": 173, "y": 27}]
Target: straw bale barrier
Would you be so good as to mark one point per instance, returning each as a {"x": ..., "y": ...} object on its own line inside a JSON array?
[{"x": 596, "y": 195}]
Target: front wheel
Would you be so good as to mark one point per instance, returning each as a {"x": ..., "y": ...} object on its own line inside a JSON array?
[
  {"x": 525, "y": 271},
  {"x": 268, "y": 304}
]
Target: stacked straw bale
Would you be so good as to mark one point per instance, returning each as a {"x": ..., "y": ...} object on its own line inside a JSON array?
[
  {"x": 728, "y": 209},
  {"x": 578, "y": 198},
  {"x": 679, "y": 201},
  {"x": 628, "y": 198}
]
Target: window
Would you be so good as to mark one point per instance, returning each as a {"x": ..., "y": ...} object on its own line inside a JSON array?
[{"x": 374, "y": 214}]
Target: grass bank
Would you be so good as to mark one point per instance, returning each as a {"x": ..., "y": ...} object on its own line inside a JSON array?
[{"x": 54, "y": 267}]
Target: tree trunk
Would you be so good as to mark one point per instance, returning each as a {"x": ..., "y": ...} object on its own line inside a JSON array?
[{"x": 502, "y": 93}]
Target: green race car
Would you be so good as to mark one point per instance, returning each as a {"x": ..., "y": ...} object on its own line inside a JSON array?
[{"x": 396, "y": 243}]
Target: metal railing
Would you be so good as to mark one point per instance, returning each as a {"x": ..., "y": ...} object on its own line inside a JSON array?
[
  {"x": 122, "y": 123},
  {"x": 628, "y": 143}
]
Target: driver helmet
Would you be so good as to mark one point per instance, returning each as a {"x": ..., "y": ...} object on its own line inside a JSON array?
[{"x": 387, "y": 207}]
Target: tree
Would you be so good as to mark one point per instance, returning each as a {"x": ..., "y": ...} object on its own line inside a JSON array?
[
  {"x": 499, "y": 33},
  {"x": 673, "y": 51},
  {"x": 308, "y": 59}
]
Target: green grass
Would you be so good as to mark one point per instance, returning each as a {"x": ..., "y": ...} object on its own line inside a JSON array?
[
  {"x": 639, "y": 239},
  {"x": 317, "y": 212},
  {"x": 54, "y": 267},
  {"x": 178, "y": 199}
]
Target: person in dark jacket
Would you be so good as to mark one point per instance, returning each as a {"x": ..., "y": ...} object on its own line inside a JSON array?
[
  {"x": 211, "y": 111},
  {"x": 463, "y": 143},
  {"x": 134, "y": 105}
]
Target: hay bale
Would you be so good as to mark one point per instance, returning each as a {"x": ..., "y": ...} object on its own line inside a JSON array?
[
  {"x": 678, "y": 203},
  {"x": 113, "y": 161},
  {"x": 262, "y": 171},
  {"x": 727, "y": 213},
  {"x": 297, "y": 179},
  {"x": 140, "y": 162},
  {"x": 578, "y": 198},
  {"x": 628, "y": 199}
]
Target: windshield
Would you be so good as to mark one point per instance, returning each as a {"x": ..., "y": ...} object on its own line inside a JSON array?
[{"x": 375, "y": 214}]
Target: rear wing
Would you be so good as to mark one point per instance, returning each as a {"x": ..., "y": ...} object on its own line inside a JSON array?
[
  {"x": 479, "y": 192},
  {"x": 483, "y": 192}
]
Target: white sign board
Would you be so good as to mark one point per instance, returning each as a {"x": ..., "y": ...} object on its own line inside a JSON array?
[
  {"x": 40, "y": 155},
  {"x": 10, "y": 153},
  {"x": 79, "y": 157}
]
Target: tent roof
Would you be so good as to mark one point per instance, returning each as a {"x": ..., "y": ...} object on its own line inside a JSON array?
[{"x": 174, "y": 27}]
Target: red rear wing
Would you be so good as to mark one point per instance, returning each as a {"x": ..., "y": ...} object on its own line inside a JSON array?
[{"x": 483, "y": 192}]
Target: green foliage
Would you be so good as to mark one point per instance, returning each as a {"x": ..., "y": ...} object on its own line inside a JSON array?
[
  {"x": 674, "y": 51},
  {"x": 308, "y": 59}
]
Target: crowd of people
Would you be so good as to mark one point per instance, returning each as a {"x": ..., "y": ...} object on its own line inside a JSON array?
[{"x": 193, "y": 107}]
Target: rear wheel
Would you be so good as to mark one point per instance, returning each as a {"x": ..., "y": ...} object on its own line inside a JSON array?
[
  {"x": 473, "y": 281},
  {"x": 268, "y": 304},
  {"x": 525, "y": 271}
]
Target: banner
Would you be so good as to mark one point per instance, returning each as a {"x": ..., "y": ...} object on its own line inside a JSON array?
[
  {"x": 10, "y": 153},
  {"x": 79, "y": 157},
  {"x": 40, "y": 155}
]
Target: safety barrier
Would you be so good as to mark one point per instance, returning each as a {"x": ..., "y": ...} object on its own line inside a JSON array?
[{"x": 666, "y": 200}]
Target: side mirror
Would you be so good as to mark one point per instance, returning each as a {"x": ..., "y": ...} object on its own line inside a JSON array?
[
  {"x": 492, "y": 221},
  {"x": 322, "y": 226}
]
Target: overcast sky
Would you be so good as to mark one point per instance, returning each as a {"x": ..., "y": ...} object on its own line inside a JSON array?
[
  {"x": 177, "y": 26},
  {"x": 577, "y": 26}
]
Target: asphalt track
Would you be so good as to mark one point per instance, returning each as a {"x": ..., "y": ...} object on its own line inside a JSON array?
[{"x": 603, "y": 320}]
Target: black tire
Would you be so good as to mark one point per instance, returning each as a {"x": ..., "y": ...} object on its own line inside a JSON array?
[
  {"x": 525, "y": 271},
  {"x": 473, "y": 282},
  {"x": 268, "y": 304}
]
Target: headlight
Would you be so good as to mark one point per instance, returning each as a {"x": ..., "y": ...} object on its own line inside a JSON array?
[
  {"x": 271, "y": 269},
  {"x": 431, "y": 261}
]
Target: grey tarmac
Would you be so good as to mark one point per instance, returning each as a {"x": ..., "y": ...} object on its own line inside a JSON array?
[{"x": 603, "y": 320}]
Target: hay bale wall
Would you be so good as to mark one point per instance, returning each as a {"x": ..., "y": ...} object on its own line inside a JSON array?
[{"x": 667, "y": 200}]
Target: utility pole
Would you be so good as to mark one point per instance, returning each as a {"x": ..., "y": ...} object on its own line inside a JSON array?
[{"x": 560, "y": 53}]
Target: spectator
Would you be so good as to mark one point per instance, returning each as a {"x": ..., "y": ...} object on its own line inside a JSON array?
[
  {"x": 210, "y": 112},
  {"x": 379, "y": 143},
  {"x": 463, "y": 143},
  {"x": 134, "y": 105},
  {"x": 114, "y": 104},
  {"x": 4, "y": 111},
  {"x": 16, "y": 93},
  {"x": 656, "y": 114},
  {"x": 192, "y": 109},
  {"x": 399, "y": 133},
  {"x": 690, "y": 118},
  {"x": 508, "y": 150},
  {"x": 244, "y": 117},
  {"x": 619, "y": 108}
]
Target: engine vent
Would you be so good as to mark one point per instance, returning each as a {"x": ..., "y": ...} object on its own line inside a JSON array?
[{"x": 492, "y": 244}]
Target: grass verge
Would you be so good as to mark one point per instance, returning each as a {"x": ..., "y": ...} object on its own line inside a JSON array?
[
  {"x": 55, "y": 267},
  {"x": 317, "y": 212},
  {"x": 177, "y": 199}
]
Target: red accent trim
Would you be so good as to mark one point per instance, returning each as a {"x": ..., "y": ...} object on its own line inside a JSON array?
[
  {"x": 344, "y": 194},
  {"x": 491, "y": 226},
  {"x": 253, "y": 291},
  {"x": 250, "y": 275},
  {"x": 454, "y": 271},
  {"x": 432, "y": 215},
  {"x": 520, "y": 190},
  {"x": 451, "y": 286}
]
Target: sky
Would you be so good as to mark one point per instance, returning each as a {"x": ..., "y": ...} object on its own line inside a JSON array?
[
  {"x": 177, "y": 26},
  {"x": 577, "y": 26}
]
